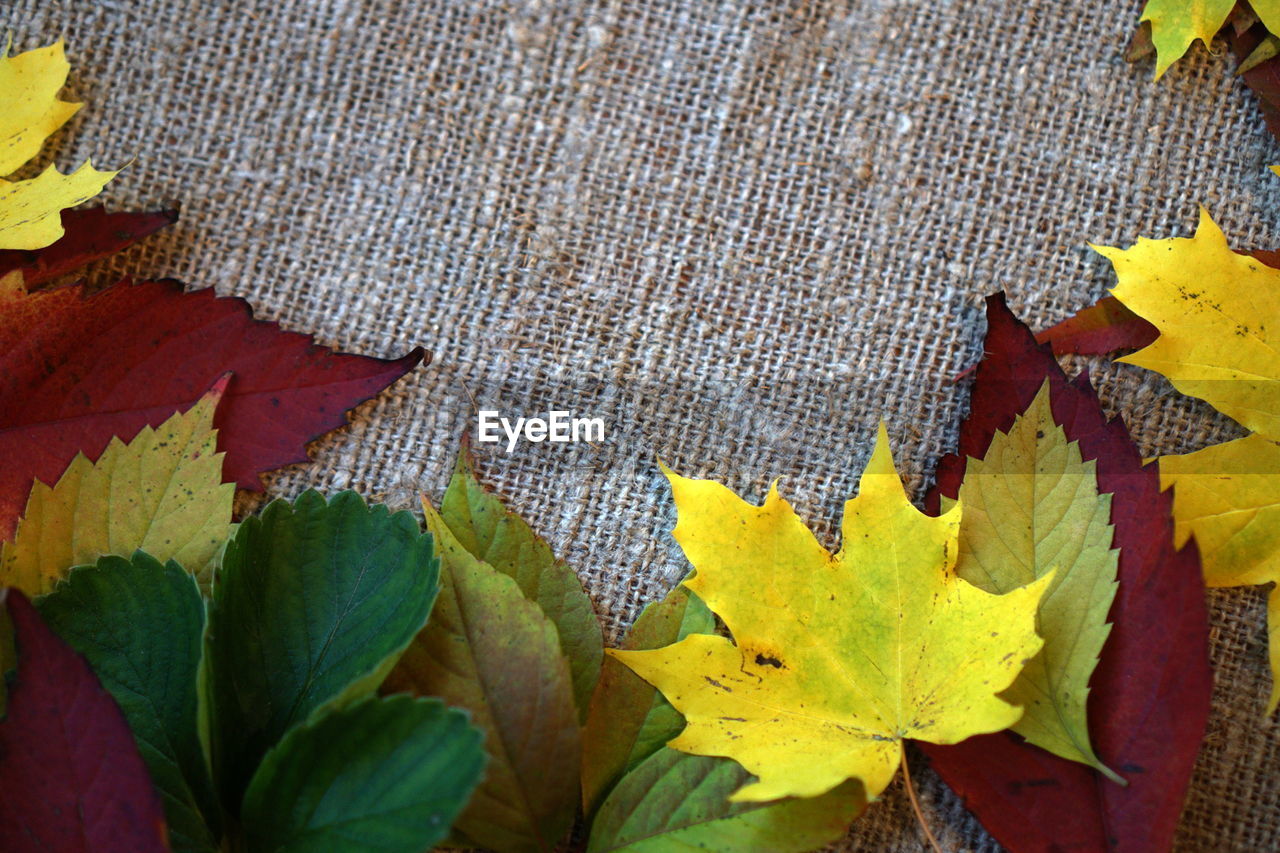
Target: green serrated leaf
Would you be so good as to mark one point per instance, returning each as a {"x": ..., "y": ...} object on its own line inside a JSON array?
[
  {"x": 674, "y": 801},
  {"x": 492, "y": 534},
  {"x": 312, "y": 605},
  {"x": 493, "y": 652},
  {"x": 139, "y": 624},
  {"x": 629, "y": 720},
  {"x": 387, "y": 775},
  {"x": 1031, "y": 505}
]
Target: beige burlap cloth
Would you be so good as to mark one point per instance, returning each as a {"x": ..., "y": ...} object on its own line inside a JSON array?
[{"x": 740, "y": 232}]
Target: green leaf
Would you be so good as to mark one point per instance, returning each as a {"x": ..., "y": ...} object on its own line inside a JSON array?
[
  {"x": 1032, "y": 506},
  {"x": 312, "y": 606},
  {"x": 491, "y": 651},
  {"x": 139, "y": 624},
  {"x": 386, "y": 775},
  {"x": 629, "y": 720},
  {"x": 676, "y": 801},
  {"x": 492, "y": 534}
]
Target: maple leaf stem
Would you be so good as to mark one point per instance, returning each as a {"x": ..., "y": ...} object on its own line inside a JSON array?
[{"x": 915, "y": 803}]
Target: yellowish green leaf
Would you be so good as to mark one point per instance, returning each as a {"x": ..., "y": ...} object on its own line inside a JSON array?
[
  {"x": 1175, "y": 24},
  {"x": 1217, "y": 316},
  {"x": 1031, "y": 506},
  {"x": 836, "y": 658},
  {"x": 162, "y": 492},
  {"x": 1228, "y": 497},
  {"x": 1267, "y": 49}
]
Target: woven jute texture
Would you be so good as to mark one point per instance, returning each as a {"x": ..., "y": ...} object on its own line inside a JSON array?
[{"x": 739, "y": 232}]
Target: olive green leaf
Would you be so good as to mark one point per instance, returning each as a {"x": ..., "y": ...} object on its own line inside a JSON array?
[
  {"x": 493, "y": 652},
  {"x": 493, "y": 534},
  {"x": 629, "y": 720}
]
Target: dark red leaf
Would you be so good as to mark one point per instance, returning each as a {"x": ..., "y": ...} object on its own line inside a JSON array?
[
  {"x": 91, "y": 233},
  {"x": 1103, "y": 327},
  {"x": 1264, "y": 78},
  {"x": 72, "y": 778},
  {"x": 1107, "y": 325},
  {"x": 78, "y": 368},
  {"x": 1149, "y": 697}
]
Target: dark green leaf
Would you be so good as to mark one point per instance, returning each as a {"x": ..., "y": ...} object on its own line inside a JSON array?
[
  {"x": 629, "y": 719},
  {"x": 491, "y": 651},
  {"x": 312, "y": 606},
  {"x": 139, "y": 624},
  {"x": 385, "y": 775},
  {"x": 677, "y": 801},
  {"x": 488, "y": 531}
]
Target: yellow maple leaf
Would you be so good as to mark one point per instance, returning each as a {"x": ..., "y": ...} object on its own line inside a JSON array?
[
  {"x": 161, "y": 492},
  {"x": 1217, "y": 312},
  {"x": 1176, "y": 24},
  {"x": 1228, "y": 497},
  {"x": 30, "y": 111},
  {"x": 835, "y": 658}
]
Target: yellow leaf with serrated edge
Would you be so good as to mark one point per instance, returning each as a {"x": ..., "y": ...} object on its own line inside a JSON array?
[
  {"x": 30, "y": 83},
  {"x": 1175, "y": 24},
  {"x": 31, "y": 211},
  {"x": 30, "y": 110},
  {"x": 1218, "y": 314},
  {"x": 836, "y": 658},
  {"x": 1228, "y": 497},
  {"x": 1031, "y": 506},
  {"x": 162, "y": 492}
]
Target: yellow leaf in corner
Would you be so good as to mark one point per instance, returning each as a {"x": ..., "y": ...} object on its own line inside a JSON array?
[
  {"x": 836, "y": 658},
  {"x": 1031, "y": 505},
  {"x": 162, "y": 492},
  {"x": 1175, "y": 24},
  {"x": 30, "y": 211},
  {"x": 1218, "y": 314},
  {"x": 1268, "y": 11},
  {"x": 32, "y": 111},
  {"x": 1228, "y": 497}
]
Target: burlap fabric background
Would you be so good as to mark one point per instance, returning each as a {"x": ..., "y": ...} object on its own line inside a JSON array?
[{"x": 740, "y": 232}]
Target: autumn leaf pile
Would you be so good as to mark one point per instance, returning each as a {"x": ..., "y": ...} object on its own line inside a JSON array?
[{"x": 329, "y": 675}]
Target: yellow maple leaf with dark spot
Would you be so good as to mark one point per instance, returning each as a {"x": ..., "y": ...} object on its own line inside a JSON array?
[{"x": 835, "y": 658}]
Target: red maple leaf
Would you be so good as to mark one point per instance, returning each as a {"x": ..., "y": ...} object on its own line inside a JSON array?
[
  {"x": 90, "y": 234},
  {"x": 72, "y": 777},
  {"x": 78, "y": 368},
  {"x": 1149, "y": 698}
]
